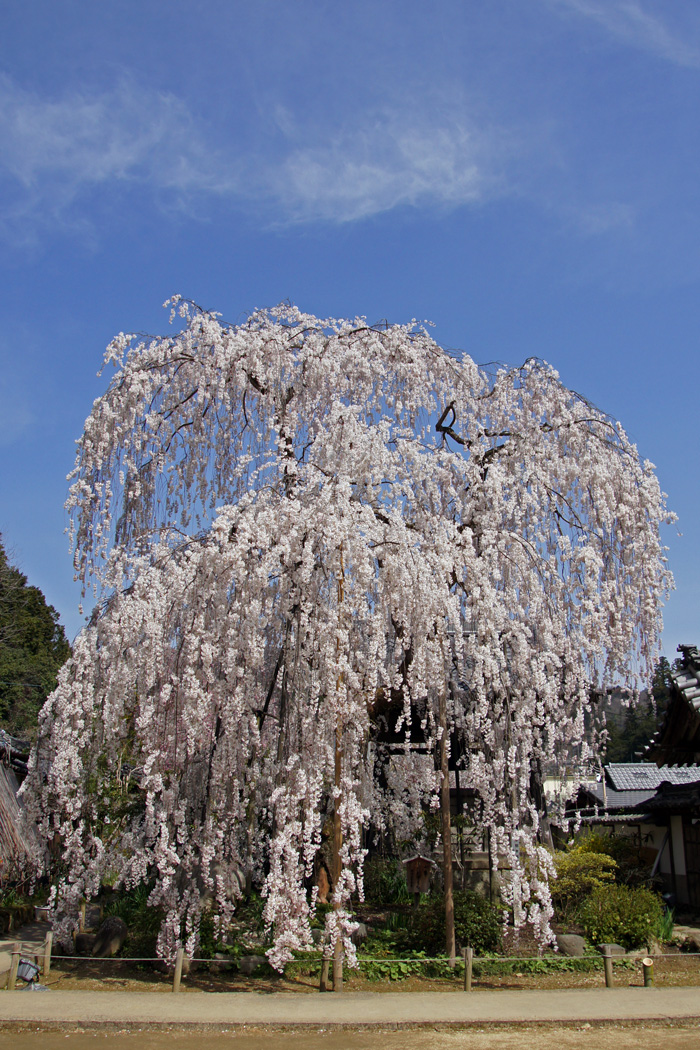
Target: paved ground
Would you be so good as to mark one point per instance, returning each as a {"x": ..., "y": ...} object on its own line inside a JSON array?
[
  {"x": 351, "y": 1009},
  {"x": 31, "y": 937}
]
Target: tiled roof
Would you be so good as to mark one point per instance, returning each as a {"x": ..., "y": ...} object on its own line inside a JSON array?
[
  {"x": 687, "y": 680},
  {"x": 645, "y": 776},
  {"x": 618, "y": 800}
]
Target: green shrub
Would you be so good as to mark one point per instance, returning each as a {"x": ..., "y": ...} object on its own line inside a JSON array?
[
  {"x": 477, "y": 923},
  {"x": 630, "y": 869},
  {"x": 579, "y": 872},
  {"x": 621, "y": 915},
  {"x": 665, "y": 929}
]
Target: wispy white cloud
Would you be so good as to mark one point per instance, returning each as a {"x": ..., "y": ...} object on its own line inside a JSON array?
[
  {"x": 391, "y": 159},
  {"x": 639, "y": 25},
  {"x": 61, "y": 158},
  {"x": 55, "y": 153}
]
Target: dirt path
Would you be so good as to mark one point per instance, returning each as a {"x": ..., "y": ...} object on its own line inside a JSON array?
[{"x": 652, "y": 1036}]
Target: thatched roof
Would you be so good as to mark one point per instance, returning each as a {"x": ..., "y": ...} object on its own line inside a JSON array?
[{"x": 16, "y": 846}]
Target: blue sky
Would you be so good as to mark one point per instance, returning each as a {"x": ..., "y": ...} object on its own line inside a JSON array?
[{"x": 522, "y": 173}]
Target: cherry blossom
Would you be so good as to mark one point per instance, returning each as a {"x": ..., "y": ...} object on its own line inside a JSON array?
[{"x": 290, "y": 522}]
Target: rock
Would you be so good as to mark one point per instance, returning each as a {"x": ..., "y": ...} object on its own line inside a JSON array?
[
  {"x": 84, "y": 943},
  {"x": 93, "y": 916},
  {"x": 110, "y": 937},
  {"x": 611, "y": 949},
  {"x": 221, "y": 963},
  {"x": 248, "y": 963},
  {"x": 318, "y": 936},
  {"x": 571, "y": 944},
  {"x": 691, "y": 943},
  {"x": 359, "y": 936}
]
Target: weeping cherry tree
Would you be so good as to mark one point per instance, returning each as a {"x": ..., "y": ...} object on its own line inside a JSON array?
[{"x": 286, "y": 520}]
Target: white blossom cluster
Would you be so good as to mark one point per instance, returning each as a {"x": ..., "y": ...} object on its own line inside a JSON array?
[{"x": 291, "y": 519}]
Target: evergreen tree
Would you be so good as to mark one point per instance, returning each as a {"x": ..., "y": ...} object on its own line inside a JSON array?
[
  {"x": 632, "y": 730},
  {"x": 33, "y": 647}
]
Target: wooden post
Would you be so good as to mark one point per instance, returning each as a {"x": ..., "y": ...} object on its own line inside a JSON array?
[
  {"x": 14, "y": 964},
  {"x": 648, "y": 971},
  {"x": 337, "y": 863},
  {"x": 450, "y": 945},
  {"x": 608, "y": 966},
  {"x": 325, "y": 967},
  {"x": 48, "y": 945},
  {"x": 81, "y": 921},
  {"x": 177, "y": 976},
  {"x": 337, "y": 826},
  {"x": 468, "y": 966}
]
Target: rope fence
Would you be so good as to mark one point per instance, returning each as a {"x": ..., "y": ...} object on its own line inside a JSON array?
[{"x": 44, "y": 956}]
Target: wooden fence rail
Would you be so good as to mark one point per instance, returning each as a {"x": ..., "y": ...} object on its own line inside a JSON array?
[{"x": 44, "y": 957}]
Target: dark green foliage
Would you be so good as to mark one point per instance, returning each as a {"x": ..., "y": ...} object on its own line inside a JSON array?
[
  {"x": 630, "y": 867},
  {"x": 477, "y": 923},
  {"x": 621, "y": 915},
  {"x": 33, "y": 647},
  {"x": 385, "y": 882},
  {"x": 142, "y": 919}
]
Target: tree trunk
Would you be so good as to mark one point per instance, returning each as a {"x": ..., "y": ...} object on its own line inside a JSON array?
[{"x": 450, "y": 947}]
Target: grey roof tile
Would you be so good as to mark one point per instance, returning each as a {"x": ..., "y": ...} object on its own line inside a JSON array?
[{"x": 640, "y": 776}]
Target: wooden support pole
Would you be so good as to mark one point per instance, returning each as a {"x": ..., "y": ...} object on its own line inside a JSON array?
[
  {"x": 14, "y": 964},
  {"x": 177, "y": 976},
  {"x": 325, "y": 967},
  {"x": 81, "y": 921},
  {"x": 608, "y": 966},
  {"x": 337, "y": 824},
  {"x": 337, "y": 862},
  {"x": 450, "y": 945},
  {"x": 48, "y": 945},
  {"x": 468, "y": 967}
]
